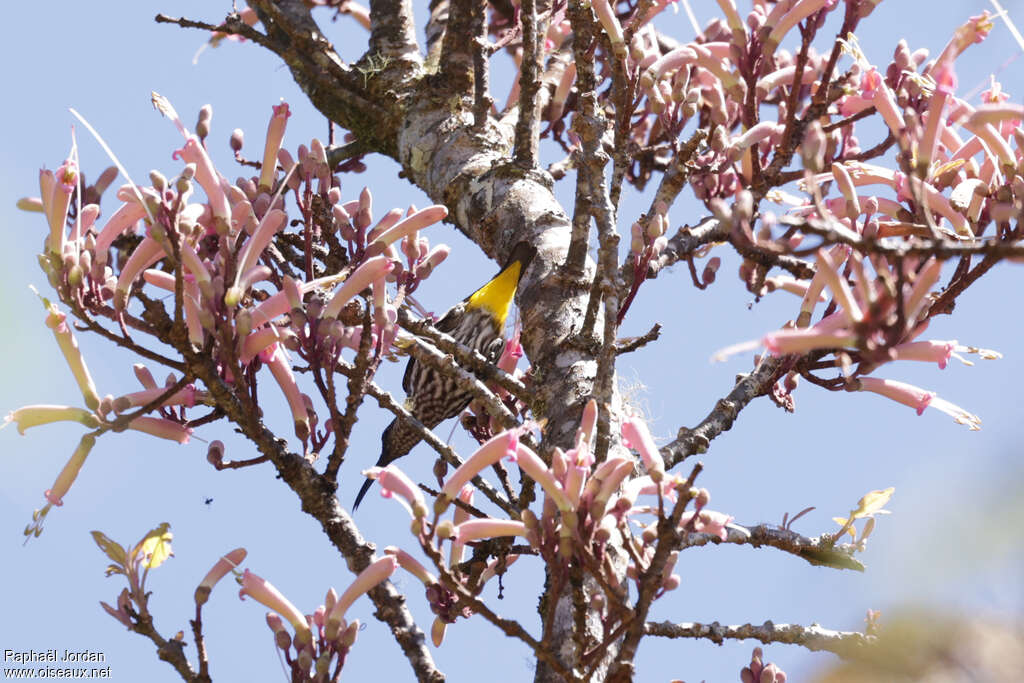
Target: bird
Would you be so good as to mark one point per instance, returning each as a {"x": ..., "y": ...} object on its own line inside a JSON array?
[{"x": 478, "y": 322}]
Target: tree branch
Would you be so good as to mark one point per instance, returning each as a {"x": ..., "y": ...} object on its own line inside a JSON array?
[
  {"x": 393, "y": 31},
  {"x": 814, "y": 637},
  {"x": 696, "y": 441},
  {"x": 820, "y": 551}
]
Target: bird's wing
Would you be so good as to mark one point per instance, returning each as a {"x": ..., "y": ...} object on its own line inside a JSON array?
[{"x": 447, "y": 324}]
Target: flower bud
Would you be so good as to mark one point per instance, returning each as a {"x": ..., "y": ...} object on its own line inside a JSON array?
[
  {"x": 215, "y": 453},
  {"x": 158, "y": 180},
  {"x": 445, "y": 529}
]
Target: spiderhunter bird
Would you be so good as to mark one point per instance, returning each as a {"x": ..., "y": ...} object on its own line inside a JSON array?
[{"x": 478, "y": 321}]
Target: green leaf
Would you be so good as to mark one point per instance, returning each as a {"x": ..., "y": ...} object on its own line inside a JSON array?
[
  {"x": 827, "y": 557},
  {"x": 111, "y": 549}
]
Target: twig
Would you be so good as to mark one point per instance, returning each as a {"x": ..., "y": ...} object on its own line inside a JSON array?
[
  {"x": 457, "y": 48},
  {"x": 820, "y": 551},
  {"x": 635, "y": 343},
  {"x": 589, "y": 126},
  {"x": 651, "y": 579},
  {"x": 482, "y": 100},
  {"x": 695, "y": 441},
  {"x": 527, "y": 127},
  {"x": 814, "y": 637}
]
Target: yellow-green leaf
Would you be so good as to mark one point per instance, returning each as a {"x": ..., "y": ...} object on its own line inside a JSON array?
[
  {"x": 111, "y": 549},
  {"x": 841, "y": 521},
  {"x": 872, "y": 503},
  {"x": 155, "y": 546}
]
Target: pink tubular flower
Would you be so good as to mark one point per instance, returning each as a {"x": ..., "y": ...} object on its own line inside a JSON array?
[
  {"x": 998, "y": 113},
  {"x": 530, "y": 463},
  {"x": 588, "y": 422},
  {"x": 256, "y": 342},
  {"x": 278, "y": 304},
  {"x": 61, "y": 187},
  {"x": 639, "y": 437},
  {"x": 606, "y": 15},
  {"x": 159, "y": 278},
  {"x": 377, "y": 571},
  {"x": 387, "y": 221},
  {"x": 907, "y": 394},
  {"x": 33, "y": 416},
  {"x": 67, "y": 476},
  {"x": 162, "y": 428},
  {"x": 790, "y": 284},
  {"x": 57, "y": 322},
  {"x": 408, "y": 226},
  {"x": 437, "y": 631},
  {"x": 476, "y": 529},
  {"x": 185, "y": 397},
  {"x": 839, "y": 286},
  {"x": 193, "y": 152},
  {"x": 510, "y": 354},
  {"x": 756, "y": 134},
  {"x": 504, "y": 444},
  {"x": 394, "y": 481},
  {"x": 796, "y": 12},
  {"x": 874, "y": 92},
  {"x": 846, "y": 187},
  {"x": 275, "y": 134},
  {"x": 225, "y": 564},
  {"x": 708, "y": 522},
  {"x": 411, "y": 565},
  {"x": 784, "y": 77},
  {"x": 784, "y": 342},
  {"x": 945, "y": 86},
  {"x": 575, "y": 478},
  {"x": 997, "y": 145},
  {"x": 975, "y": 30},
  {"x": 733, "y": 19},
  {"x": 432, "y": 260},
  {"x": 367, "y": 273},
  {"x": 461, "y": 515},
  {"x": 195, "y": 267},
  {"x": 817, "y": 284},
  {"x": 272, "y": 221},
  {"x": 47, "y": 185},
  {"x": 281, "y": 369},
  {"x": 917, "y": 300},
  {"x": 927, "y": 351},
  {"x": 146, "y": 254},
  {"x": 918, "y": 399},
  {"x": 620, "y": 468},
  {"x": 266, "y": 594}
]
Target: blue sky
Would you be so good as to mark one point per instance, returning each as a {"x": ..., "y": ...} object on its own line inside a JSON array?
[{"x": 949, "y": 544}]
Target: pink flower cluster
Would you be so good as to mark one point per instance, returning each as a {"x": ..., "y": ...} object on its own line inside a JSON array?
[
  {"x": 875, "y": 322},
  {"x": 316, "y": 647},
  {"x": 584, "y": 504},
  {"x": 236, "y": 296}
]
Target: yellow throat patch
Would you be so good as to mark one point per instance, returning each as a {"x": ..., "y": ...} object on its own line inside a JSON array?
[{"x": 496, "y": 296}]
